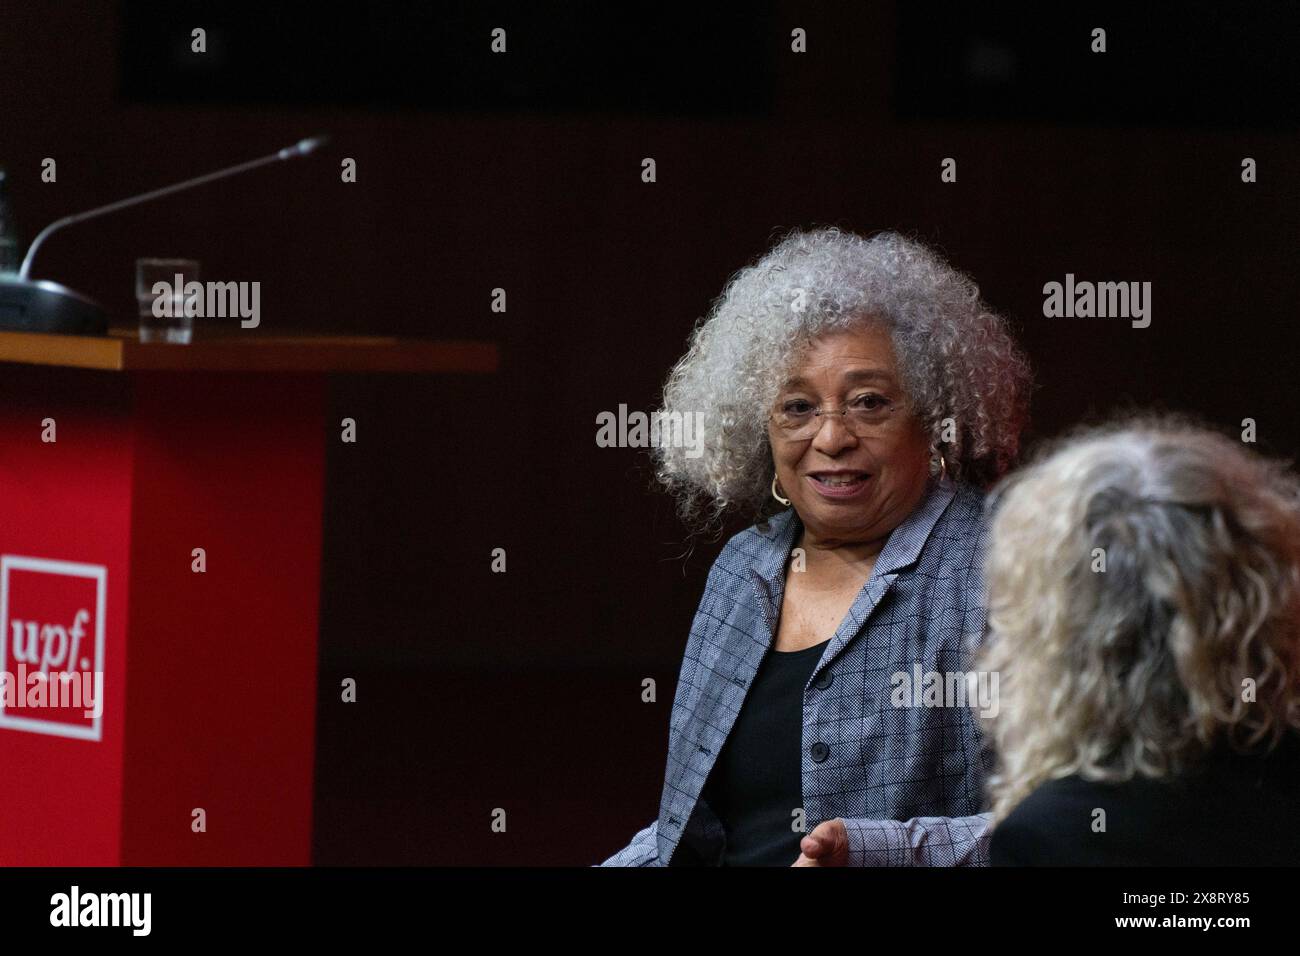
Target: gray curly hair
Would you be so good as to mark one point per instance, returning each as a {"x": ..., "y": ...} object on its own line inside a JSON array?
[
  {"x": 962, "y": 372},
  {"x": 1135, "y": 667}
]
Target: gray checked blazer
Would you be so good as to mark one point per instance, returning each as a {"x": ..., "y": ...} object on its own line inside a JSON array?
[{"x": 907, "y": 780}]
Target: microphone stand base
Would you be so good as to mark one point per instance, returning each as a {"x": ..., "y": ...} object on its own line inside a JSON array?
[{"x": 28, "y": 305}]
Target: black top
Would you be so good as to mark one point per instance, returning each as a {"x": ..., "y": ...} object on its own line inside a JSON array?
[
  {"x": 1233, "y": 811},
  {"x": 757, "y": 782}
]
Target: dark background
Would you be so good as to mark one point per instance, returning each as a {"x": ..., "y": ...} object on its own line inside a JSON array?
[{"x": 522, "y": 690}]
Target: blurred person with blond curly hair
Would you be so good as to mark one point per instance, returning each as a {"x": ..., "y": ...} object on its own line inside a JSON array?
[{"x": 1144, "y": 622}]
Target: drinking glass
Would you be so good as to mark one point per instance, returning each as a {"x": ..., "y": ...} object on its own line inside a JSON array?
[{"x": 162, "y": 314}]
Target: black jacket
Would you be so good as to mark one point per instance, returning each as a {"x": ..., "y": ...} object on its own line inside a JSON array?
[{"x": 1233, "y": 810}]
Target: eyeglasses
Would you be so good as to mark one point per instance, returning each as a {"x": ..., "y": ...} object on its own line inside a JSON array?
[{"x": 865, "y": 416}]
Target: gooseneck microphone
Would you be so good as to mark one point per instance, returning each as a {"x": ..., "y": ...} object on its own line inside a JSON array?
[{"x": 29, "y": 305}]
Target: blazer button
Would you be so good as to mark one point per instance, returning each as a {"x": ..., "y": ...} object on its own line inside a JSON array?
[
  {"x": 819, "y": 752},
  {"x": 823, "y": 680}
]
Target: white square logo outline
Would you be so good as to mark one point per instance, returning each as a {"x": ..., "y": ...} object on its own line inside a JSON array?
[{"x": 98, "y": 573}]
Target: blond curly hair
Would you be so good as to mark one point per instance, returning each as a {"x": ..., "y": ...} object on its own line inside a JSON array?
[{"x": 1143, "y": 587}]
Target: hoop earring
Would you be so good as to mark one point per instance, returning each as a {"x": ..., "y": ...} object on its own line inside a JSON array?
[
  {"x": 784, "y": 501},
  {"x": 942, "y": 470}
]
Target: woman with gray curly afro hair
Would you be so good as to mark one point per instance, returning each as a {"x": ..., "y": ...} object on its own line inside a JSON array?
[
  {"x": 864, "y": 385},
  {"x": 965, "y": 377}
]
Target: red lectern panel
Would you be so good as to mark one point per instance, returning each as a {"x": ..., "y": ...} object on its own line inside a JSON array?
[
  {"x": 160, "y": 538},
  {"x": 202, "y": 750}
]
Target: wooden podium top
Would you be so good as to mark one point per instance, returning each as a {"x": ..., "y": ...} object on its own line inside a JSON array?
[{"x": 122, "y": 351}]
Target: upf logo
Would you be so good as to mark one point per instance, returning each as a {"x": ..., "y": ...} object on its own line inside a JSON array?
[{"x": 52, "y": 652}]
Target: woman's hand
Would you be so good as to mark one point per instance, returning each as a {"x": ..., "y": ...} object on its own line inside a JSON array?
[{"x": 827, "y": 845}]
